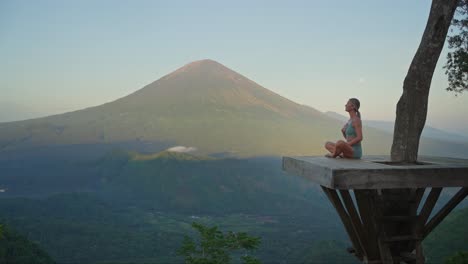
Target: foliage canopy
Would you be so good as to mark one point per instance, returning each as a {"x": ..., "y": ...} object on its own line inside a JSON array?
[
  {"x": 215, "y": 247},
  {"x": 457, "y": 59},
  {"x": 460, "y": 257}
]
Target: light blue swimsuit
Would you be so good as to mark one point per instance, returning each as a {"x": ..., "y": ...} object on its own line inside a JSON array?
[{"x": 350, "y": 131}]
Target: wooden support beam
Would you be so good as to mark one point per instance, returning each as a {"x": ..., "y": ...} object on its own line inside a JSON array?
[
  {"x": 435, "y": 221},
  {"x": 365, "y": 202},
  {"x": 335, "y": 200},
  {"x": 429, "y": 205},
  {"x": 418, "y": 224},
  {"x": 355, "y": 221},
  {"x": 418, "y": 197},
  {"x": 420, "y": 259}
]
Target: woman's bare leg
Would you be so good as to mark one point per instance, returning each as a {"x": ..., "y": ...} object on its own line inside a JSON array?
[
  {"x": 342, "y": 148},
  {"x": 330, "y": 146}
]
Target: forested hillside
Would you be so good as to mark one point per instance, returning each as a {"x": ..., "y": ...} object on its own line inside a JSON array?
[
  {"x": 16, "y": 249},
  {"x": 448, "y": 238}
]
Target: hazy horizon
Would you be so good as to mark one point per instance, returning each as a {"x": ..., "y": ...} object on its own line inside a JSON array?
[{"x": 66, "y": 56}]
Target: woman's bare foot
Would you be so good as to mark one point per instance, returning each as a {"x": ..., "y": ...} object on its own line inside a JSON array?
[{"x": 329, "y": 155}]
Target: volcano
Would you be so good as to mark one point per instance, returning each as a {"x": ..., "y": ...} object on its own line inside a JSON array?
[{"x": 203, "y": 105}]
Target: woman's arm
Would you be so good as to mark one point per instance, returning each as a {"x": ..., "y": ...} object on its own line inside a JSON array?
[{"x": 357, "y": 124}]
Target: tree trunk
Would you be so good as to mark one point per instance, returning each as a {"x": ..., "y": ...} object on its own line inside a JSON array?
[{"x": 412, "y": 107}]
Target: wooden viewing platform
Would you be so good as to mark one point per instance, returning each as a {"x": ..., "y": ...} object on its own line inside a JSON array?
[{"x": 386, "y": 226}]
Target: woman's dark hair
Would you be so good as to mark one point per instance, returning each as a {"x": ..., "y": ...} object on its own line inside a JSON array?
[{"x": 356, "y": 104}]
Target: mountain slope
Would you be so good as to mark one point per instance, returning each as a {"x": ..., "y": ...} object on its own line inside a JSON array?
[{"x": 202, "y": 104}]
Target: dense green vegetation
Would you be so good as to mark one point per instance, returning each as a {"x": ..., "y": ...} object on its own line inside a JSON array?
[
  {"x": 216, "y": 247},
  {"x": 16, "y": 249},
  {"x": 142, "y": 205},
  {"x": 331, "y": 251},
  {"x": 457, "y": 57},
  {"x": 205, "y": 186},
  {"x": 460, "y": 257},
  {"x": 82, "y": 228},
  {"x": 448, "y": 238}
]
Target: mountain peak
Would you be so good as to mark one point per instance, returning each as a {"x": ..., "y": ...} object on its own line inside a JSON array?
[
  {"x": 204, "y": 62},
  {"x": 205, "y": 66}
]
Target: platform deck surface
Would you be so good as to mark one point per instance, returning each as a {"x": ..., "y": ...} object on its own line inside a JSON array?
[{"x": 373, "y": 172}]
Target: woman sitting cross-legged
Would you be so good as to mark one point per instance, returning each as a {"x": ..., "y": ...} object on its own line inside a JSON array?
[{"x": 352, "y": 132}]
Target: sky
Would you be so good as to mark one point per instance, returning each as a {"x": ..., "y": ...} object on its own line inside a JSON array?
[{"x": 60, "y": 56}]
